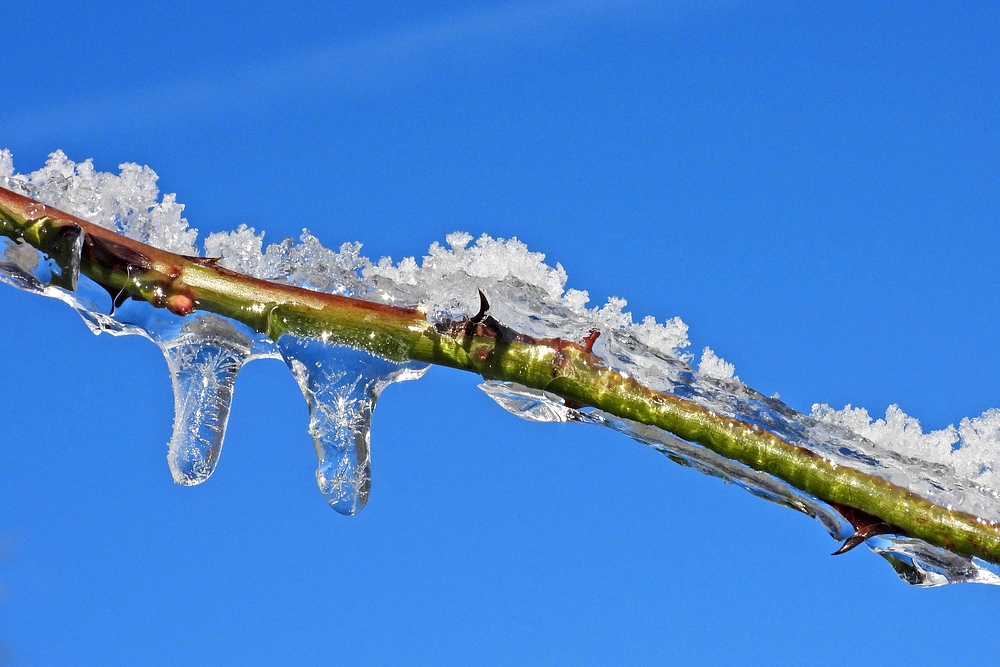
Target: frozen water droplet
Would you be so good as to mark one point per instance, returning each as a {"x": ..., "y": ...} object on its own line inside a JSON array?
[
  {"x": 531, "y": 404},
  {"x": 34, "y": 211},
  {"x": 341, "y": 385},
  {"x": 203, "y": 360}
]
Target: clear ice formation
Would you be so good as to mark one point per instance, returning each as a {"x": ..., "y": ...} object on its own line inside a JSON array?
[
  {"x": 915, "y": 561},
  {"x": 530, "y": 404},
  {"x": 341, "y": 385},
  {"x": 203, "y": 361},
  {"x": 957, "y": 468},
  {"x": 204, "y": 354}
]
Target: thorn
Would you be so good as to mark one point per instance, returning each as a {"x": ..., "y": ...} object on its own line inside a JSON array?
[
  {"x": 851, "y": 542},
  {"x": 862, "y": 533},
  {"x": 484, "y": 306},
  {"x": 865, "y": 526},
  {"x": 588, "y": 340}
]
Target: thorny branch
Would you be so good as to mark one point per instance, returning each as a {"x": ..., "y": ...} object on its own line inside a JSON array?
[{"x": 481, "y": 344}]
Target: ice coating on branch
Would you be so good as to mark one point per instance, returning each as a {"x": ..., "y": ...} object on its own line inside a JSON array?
[
  {"x": 915, "y": 561},
  {"x": 954, "y": 467},
  {"x": 531, "y": 404},
  {"x": 204, "y": 353},
  {"x": 525, "y": 292}
]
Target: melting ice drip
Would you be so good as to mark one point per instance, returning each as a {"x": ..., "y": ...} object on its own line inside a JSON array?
[
  {"x": 203, "y": 361},
  {"x": 955, "y": 467},
  {"x": 341, "y": 385}
]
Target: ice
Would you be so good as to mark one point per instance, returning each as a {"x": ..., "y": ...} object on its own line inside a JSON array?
[
  {"x": 19, "y": 264},
  {"x": 915, "y": 561},
  {"x": 205, "y": 352},
  {"x": 203, "y": 360},
  {"x": 341, "y": 386},
  {"x": 305, "y": 264},
  {"x": 956, "y": 467},
  {"x": 921, "y": 564},
  {"x": 531, "y": 404},
  {"x": 240, "y": 250}
]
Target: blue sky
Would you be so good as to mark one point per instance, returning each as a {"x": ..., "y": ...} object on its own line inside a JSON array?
[{"x": 810, "y": 186}]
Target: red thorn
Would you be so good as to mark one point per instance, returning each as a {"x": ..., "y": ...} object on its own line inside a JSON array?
[
  {"x": 851, "y": 542},
  {"x": 865, "y": 526},
  {"x": 588, "y": 340}
]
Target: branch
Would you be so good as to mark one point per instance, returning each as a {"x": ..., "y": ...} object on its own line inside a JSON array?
[{"x": 128, "y": 269}]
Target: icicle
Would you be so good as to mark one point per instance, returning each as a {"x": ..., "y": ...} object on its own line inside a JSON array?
[
  {"x": 203, "y": 361},
  {"x": 341, "y": 385},
  {"x": 531, "y": 404}
]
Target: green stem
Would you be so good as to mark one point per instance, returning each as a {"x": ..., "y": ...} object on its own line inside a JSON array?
[{"x": 185, "y": 284}]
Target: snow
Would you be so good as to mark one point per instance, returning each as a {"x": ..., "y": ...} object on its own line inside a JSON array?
[
  {"x": 714, "y": 366},
  {"x": 127, "y": 203},
  {"x": 971, "y": 450}
]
